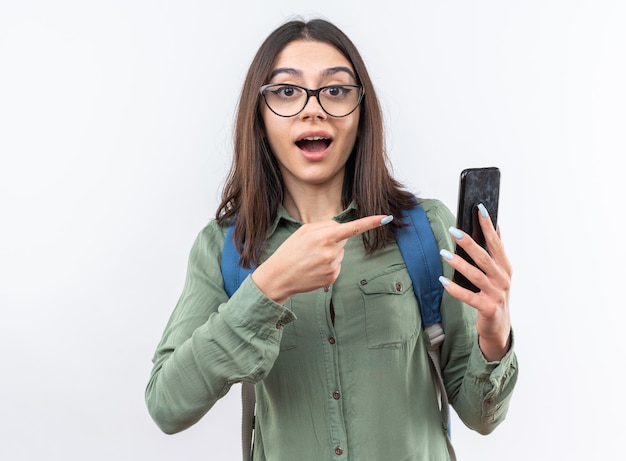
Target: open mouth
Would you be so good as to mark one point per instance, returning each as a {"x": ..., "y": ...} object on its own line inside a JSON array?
[{"x": 313, "y": 143}]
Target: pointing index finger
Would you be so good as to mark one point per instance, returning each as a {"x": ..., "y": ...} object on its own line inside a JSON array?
[{"x": 358, "y": 226}]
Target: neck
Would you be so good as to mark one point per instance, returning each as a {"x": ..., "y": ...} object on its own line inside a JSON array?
[{"x": 313, "y": 204}]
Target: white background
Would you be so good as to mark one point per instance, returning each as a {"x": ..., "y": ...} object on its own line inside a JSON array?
[{"x": 115, "y": 136}]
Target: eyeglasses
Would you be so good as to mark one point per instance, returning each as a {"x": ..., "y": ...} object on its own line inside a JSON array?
[{"x": 287, "y": 100}]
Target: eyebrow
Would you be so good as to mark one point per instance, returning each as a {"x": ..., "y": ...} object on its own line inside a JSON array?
[{"x": 326, "y": 73}]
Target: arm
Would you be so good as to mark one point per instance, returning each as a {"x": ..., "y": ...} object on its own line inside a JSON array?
[
  {"x": 211, "y": 342},
  {"x": 479, "y": 388}
]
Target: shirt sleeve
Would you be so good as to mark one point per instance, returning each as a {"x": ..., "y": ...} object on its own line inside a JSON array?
[
  {"x": 478, "y": 390},
  {"x": 210, "y": 341}
]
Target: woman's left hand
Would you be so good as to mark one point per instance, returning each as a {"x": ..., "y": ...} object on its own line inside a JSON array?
[{"x": 493, "y": 279}]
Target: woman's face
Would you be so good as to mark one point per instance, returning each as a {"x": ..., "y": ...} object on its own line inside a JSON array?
[{"x": 311, "y": 147}]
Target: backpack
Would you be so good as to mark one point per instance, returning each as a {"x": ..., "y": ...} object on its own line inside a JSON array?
[{"x": 421, "y": 256}]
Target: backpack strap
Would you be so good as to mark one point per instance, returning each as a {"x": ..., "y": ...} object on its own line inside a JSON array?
[
  {"x": 248, "y": 402},
  {"x": 232, "y": 272},
  {"x": 233, "y": 275},
  {"x": 421, "y": 255}
]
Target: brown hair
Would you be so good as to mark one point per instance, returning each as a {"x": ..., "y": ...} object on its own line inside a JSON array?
[{"x": 253, "y": 190}]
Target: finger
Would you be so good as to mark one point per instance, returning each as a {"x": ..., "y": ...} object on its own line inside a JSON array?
[
  {"x": 457, "y": 291},
  {"x": 486, "y": 224},
  {"x": 485, "y": 272},
  {"x": 472, "y": 273},
  {"x": 358, "y": 226},
  {"x": 483, "y": 258},
  {"x": 488, "y": 276},
  {"x": 493, "y": 240}
]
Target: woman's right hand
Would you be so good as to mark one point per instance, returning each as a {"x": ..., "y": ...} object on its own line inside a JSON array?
[{"x": 310, "y": 258}]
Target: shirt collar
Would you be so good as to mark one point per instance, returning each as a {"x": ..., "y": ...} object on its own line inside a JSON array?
[{"x": 347, "y": 215}]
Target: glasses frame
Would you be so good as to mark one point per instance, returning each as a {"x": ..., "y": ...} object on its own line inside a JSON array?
[{"x": 315, "y": 93}]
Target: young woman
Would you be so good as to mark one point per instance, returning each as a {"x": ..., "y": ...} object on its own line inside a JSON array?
[{"x": 327, "y": 326}]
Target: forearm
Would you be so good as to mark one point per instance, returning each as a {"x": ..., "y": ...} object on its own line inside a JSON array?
[
  {"x": 482, "y": 400},
  {"x": 240, "y": 342}
]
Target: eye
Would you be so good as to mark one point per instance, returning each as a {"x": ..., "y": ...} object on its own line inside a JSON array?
[
  {"x": 286, "y": 91},
  {"x": 337, "y": 91}
]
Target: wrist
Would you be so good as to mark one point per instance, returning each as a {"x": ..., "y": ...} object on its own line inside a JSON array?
[
  {"x": 494, "y": 349},
  {"x": 270, "y": 285}
]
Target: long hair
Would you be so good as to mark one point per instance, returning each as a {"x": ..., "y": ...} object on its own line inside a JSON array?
[{"x": 253, "y": 190}]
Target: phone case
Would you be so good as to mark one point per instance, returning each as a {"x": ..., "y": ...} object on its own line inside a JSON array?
[{"x": 476, "y": 185}]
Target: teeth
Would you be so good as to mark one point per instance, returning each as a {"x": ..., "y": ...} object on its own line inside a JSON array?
[{"x": 313, "y": 138}]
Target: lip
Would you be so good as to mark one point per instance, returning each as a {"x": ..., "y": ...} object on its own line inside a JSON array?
[
  {"x": 318, "y": 155},
  {"x": 313, "y": 134}
]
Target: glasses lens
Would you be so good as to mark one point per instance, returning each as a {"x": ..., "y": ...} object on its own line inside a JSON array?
[
  {"x": 340, "y": 100},
  {"x": 285, "y": 100},
  {"x": 289, "y": 100}
]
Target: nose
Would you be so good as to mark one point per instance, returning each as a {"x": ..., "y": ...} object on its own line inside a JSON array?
[{"x": 312, "y": 109}]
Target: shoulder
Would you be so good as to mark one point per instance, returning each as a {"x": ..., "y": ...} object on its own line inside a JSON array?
[
  {"x": 440, "y": 218},
  {"x": 214, "y": 229},
  {"x": 437, "y": 211},
  {"x": 210, "y": 240}
]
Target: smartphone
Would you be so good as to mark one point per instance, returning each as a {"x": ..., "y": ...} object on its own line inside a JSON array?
[{"x": 476, "y": 185}]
